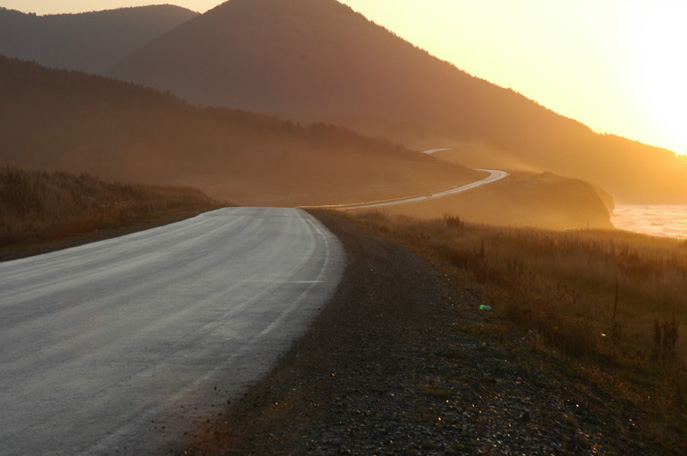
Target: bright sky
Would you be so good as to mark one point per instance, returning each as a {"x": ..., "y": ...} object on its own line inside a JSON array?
[{"x": 619, "y": 66}]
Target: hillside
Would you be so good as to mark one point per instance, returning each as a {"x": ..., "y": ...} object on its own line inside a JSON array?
[
  {"x": 89, "y": 42},
  {"x": 318, "y": 59},
  {"x": 57, "y": 120},
  {"x": 522, "y": 200},
  {"x": 40, "y": 212}
]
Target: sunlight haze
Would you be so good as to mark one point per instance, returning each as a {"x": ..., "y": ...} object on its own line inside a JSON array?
[{"x": 616, "y": 65}]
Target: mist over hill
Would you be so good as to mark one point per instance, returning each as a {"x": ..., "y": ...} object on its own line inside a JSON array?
[
  {"x": 318, "y": 59},
  {"x": 56, "y": 120},
  {"x": 89, "y": 42}
]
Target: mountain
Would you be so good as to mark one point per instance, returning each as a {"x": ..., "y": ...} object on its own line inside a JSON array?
[
  {"x": 318, "y": 59},
  {"x": 57, "y": 120},
  {"x": 89, "y": 42}
]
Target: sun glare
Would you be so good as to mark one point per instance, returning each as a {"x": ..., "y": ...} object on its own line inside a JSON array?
[
  {"x": 617, "y": 66},
  {"x": 663, "y": 71}
]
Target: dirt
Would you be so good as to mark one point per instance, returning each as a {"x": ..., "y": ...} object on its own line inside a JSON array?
[{"x": 403, "y": 361}]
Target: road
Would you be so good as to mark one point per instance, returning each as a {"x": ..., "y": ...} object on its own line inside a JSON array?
[
  {"x": 432, "y": 151},
  {"x": 120, "y": 346},
  {"x": 494, "y": 175}
]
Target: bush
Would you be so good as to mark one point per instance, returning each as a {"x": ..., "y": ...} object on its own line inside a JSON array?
[{"x": 37, "y": 207}]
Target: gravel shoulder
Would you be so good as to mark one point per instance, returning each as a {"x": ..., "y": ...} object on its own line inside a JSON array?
[{"x": 402, "y": 361}]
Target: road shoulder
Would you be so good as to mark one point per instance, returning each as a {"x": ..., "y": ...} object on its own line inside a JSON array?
[{"x": 401, "y": 361}]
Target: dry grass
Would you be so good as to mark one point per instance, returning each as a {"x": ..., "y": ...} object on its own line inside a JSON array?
[
  {"x": 614, "y": 302},
  {"x": 40, "y": 207}
]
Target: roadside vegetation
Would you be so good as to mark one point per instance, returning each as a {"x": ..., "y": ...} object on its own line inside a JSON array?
[
  {"x": 612, "y": 303},
  {"x": 38, "y": 208}
]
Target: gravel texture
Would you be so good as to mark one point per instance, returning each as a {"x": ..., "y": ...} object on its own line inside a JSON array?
[{"x": 402, "y": 361}]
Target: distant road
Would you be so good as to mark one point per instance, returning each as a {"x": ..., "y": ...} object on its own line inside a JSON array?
[
  {"x": 118, "y": 347},
  {"x": 431, "y": 151},
  {"x": 494, "y": 175}
]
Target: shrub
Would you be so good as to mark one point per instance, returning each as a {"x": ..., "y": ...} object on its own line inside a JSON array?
[{"x": 37, "y": 207}]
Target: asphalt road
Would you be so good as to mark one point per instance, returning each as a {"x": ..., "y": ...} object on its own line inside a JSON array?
[
  {"x": 120, "y": 346},
  {"x": 494, "y": 175}
]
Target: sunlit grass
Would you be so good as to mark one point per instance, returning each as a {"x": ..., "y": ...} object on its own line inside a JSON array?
[
  {"x": 39, "y": 207},
  {"x": 613, "y": 302}
]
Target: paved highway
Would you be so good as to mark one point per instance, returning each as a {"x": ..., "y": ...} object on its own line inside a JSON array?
[
  {"x": 494, "y": 175},
  {"x": 120, "y": 346}
]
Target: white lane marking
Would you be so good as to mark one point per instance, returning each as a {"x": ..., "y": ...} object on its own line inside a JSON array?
[
  {"x": 314, "y": 266},
  {"x": 325, "y": 267}
]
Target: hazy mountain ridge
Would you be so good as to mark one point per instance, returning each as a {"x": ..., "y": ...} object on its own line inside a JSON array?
[
  {"x": 295, "y": 58},
  {"x": 70, "y": 121},
  {"x": 91, "y": 41},
  {"x": 318, "y": 59}
]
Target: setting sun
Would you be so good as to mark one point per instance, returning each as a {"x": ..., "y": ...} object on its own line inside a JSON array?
[
  {"x": 616, "y": 66},
  {"x": 663, "y": 72}
]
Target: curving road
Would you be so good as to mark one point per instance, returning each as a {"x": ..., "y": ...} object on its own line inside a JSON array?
[
  {"x": 494, "y": 175},
  {"x": 117, "y": 347}
]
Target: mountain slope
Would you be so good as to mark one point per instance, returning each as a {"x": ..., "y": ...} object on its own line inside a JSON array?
[
  {"x": 318, "y": 59},
  {"x": 89, "y": 41},
  {"x": 68, "y": 121},
  {"x": 302, "y": 58}
]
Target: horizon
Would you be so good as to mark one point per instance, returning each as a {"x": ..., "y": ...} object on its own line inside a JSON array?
[{"x": 613, "y": 67}]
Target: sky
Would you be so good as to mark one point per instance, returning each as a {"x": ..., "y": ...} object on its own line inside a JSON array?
[{"x": 618, "y": 66}]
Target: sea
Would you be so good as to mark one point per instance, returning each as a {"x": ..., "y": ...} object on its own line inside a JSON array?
[{"x": 662, "y": 221}]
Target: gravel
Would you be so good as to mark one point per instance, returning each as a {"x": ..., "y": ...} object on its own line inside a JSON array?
[{"x": 403, "y": 361}]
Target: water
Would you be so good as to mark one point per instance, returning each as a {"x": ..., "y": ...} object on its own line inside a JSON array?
[{"x": 663, "y": 221}]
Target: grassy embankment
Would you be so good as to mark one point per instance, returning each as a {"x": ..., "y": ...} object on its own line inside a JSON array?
[
  {"x": 41, "y": 211},
  {"x": 614, "y": 303}
]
